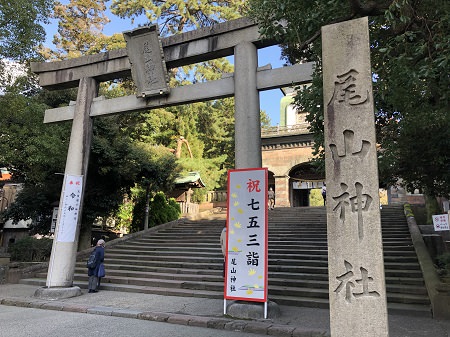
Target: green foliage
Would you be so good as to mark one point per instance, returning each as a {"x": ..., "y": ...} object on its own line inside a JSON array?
[
  {"x": 410, "y": 53},
  {"x": 315, "y": 197},
  {"x": 210, "y": 173},
  {"x": 265, "y": 119},
  {"x": 408, "y": 211},
  {"x": 124, "y": 215},
  {"x": 80, "y": 26},
  {"x": 34, "y": 152},
  {"x": 22, "y": 30},
  {"x": 26, "y": 142},
  {"x": 176, "y": 16},
  {"x": 117, "y": 163},
  {"x": 30, "y": 249},
  {"x": 161, "y": 210},
  {"x": 443, "y": 264},
  {"x": 432, "y": 208}
]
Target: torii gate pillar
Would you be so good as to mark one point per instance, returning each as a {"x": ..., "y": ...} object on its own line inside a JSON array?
[
  {"x": 64, "y": 251},
  {"x": 246, "y": 99}
]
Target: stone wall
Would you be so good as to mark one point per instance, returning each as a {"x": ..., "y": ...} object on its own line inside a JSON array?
[{"x": 4, "y": 262}]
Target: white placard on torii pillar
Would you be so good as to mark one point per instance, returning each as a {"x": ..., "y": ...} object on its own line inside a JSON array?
[
  {"x": 70, "y": 208},
  {"x": 247, "y": 235}
]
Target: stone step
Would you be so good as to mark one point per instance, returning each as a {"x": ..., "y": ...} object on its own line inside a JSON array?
[
  {"x": 396, "y": 256},
  {"x": 217, "y": 268},
  {"x": 186, "y": 260},
  {"x": 215, "y": 290},
  {"x": 305, "y": 280}
]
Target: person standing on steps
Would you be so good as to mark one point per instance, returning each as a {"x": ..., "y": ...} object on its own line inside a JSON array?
[
  {"x": 324, "y": 194},
  {"x": 93, "y": 272},
  {"x": 271, "y": 197},
  {"x": 223, "y": 245}
]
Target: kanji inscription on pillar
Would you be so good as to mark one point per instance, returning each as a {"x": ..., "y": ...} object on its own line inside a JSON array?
[{"x": 355, "y": 254}]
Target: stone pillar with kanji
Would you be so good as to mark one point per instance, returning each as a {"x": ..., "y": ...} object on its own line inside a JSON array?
[{"x": 357, "y": 288}]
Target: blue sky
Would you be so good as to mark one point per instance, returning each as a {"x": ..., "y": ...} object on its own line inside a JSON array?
[{"x": 269, "y": 100}]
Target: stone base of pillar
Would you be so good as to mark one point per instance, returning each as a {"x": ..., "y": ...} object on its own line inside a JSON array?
[
  {"x": 252, "y": 310},
  {"x": 57, "y": 293}
]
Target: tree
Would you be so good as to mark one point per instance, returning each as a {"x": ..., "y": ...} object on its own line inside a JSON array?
[
  {"x": 117, "y": 165},
  {"x": 34, "y": 152},
  {"x": 80, "y": 26},
  {"x": 410, "y": 54},
  {"x": 22, "y": 30},
  {"x": 26, "y": 141},
  {"x": 177, "y": 16}
]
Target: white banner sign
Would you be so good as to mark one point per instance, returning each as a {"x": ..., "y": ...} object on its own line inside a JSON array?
[
  {"x": 70, "y": 208},
  {"x": 440, "y": 222},
  {"x": 247, "y": 235}
]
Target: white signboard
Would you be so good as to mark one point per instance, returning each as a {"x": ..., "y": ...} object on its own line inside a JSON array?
[
  {"x": 247, "y": 235},
  {"x": 440, "y": 222},
  {"x": 70, "y": 208}
]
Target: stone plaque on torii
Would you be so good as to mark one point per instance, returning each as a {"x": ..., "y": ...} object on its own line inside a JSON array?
[
  {"x": 146, "y": 56},
  {"x": 238, "y": 37}
]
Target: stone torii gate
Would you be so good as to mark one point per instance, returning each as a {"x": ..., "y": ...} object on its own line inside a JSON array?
[{"x": 238, "y": 37}]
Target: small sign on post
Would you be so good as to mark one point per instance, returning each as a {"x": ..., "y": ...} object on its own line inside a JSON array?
[
  {"x": 441, "y": 222},
  {"x": 247, "y": 235}
]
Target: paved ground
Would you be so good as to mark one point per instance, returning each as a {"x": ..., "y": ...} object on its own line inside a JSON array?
[
  {"x": 27, "y": 322},
  {"x": 200, "y": 312}
]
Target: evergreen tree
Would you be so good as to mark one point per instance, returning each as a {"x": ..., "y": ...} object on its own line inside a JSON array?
[
  {"x": 177, "y": 16},
  {"x": 22, "y": 30}
]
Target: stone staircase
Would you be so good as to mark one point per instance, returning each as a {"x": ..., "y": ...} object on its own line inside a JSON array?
[{"x": 186, "y": 260}]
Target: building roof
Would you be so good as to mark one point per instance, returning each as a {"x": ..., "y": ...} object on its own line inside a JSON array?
[{"x": 192, "y": 179}]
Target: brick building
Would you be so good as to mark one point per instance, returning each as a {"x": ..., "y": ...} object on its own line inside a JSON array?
[{"x": 287, "y": 152}]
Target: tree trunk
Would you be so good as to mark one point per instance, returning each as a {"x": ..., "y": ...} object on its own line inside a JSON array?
[
  {"x": 432, "y": 208},
  {"x": 85, "y": 238}
]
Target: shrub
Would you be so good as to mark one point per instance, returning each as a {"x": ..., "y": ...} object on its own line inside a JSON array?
[
  {"x": 443, "y": 264},
  {"x": 163, "y": 211},
  {"x": 30, "y": 249}
]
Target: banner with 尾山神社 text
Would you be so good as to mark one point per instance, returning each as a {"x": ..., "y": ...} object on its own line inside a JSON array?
[{"x": 246, "y": 253}]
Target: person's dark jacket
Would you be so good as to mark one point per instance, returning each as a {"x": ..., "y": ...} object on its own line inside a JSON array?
[{"x": 99, "y": 257}]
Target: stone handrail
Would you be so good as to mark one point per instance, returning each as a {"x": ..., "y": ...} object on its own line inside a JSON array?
[
  {"x": 275, "y": 131},
  {"x": 14, "y": 276},
  {"x": 438, "y": 292}
]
